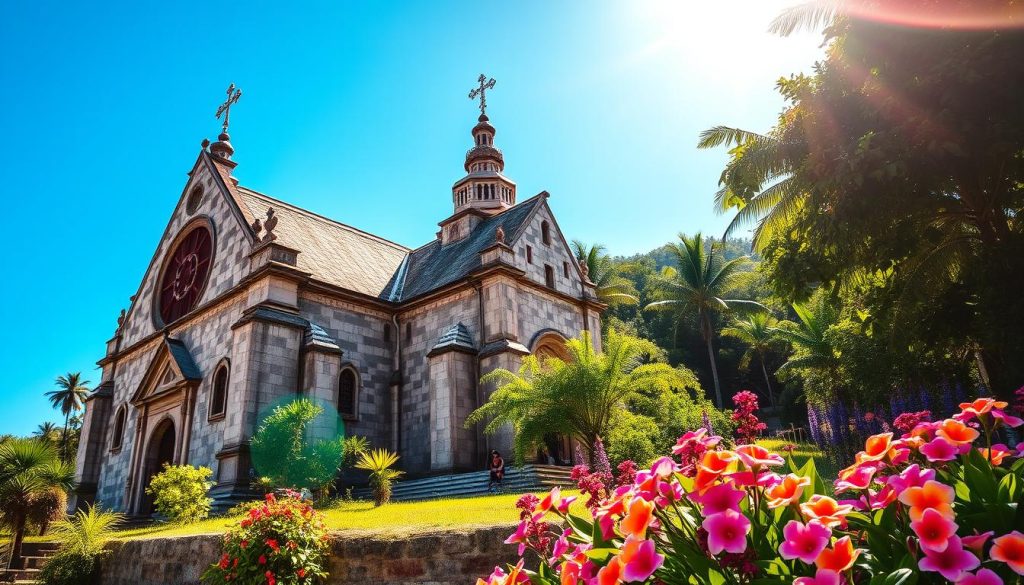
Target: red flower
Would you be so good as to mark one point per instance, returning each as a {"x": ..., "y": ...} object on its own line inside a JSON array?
[
  {"x": 301, "y": 573},
  {"x": 272, "y": 543},
  {"x": 223, "y": 561},
  {"x": 270, "y": 576},
  {"x": 262, "y": 560}
]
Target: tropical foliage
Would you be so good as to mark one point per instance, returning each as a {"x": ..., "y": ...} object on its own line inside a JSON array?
[
  {"x": 29, "y": 471},
  {"x": 380, "y": 463},
  {"x": 181, "y": 492},
  {"x": 696, "y": 289},
  {"x": 285, "y": 451},
  {"x": 611, "y": 287},
  {"x": 757, "y": 332},
  {"x": 69, "y": 398},
  {"x": 581, "y": 397},
  {"x": 82, "y": 537},
  {"x": 279, "y": 540},
  {"x": 938, "y": 504}
]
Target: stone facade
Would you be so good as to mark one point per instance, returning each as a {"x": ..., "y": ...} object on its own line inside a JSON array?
[
  {"x": 452, "y": 557},
  {"x": 285, "y": 300}
]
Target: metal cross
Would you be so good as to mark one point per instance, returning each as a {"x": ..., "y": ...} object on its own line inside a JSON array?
[
  {"x": 485, "y": 84},
  {"x": 225, "y": 108}
]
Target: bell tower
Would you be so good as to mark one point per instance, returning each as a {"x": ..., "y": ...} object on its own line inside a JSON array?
[{"x": 484, "y": 187}]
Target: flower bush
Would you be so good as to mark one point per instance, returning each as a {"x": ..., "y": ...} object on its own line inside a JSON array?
[
  {"x": 748, "y": 426},
  {"x": 943, "y": 502},
  {"x": 280, "y": 541}
]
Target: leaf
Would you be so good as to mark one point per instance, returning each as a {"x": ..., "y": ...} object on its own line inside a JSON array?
[{"x": 1008, "y": 488}]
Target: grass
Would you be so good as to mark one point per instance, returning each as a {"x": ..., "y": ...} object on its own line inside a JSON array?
[
  {"x": 396, "y": 519},
  {"x": 825, "y": 465}
]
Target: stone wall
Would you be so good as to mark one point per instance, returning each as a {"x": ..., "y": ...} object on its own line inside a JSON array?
[{"x": 453, "y": 557}]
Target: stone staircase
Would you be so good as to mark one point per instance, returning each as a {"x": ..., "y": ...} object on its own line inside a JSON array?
[
  {"x": 527, "y": 478},
  {"x": 33, "y": 556}
]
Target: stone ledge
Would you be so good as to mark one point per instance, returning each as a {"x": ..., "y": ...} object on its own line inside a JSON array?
[{"x": 436, "y": 557}]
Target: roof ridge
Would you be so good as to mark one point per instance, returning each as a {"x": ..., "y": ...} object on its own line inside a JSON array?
[{"x": 315, "y": 215}]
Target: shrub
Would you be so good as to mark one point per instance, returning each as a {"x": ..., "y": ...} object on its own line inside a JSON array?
[
  {"x": 48, "y": 506},
  {"x": 378, "y": 462},
  {"x": 748, "y": 426},
  {"x": 282, "y": 452},
  {"x": 938, "y": 504},
  {"x": 278, "y": 540},
  {"x": 633, "y": 438},
  {"x": 69, "y": 568},
  {"x": 180, "y": 492}
]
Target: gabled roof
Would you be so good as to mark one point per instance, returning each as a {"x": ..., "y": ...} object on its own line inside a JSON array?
[
  {"x": 183, "y": 359},
  {"x": 434, "y": 265},
  {"x": 332, "y": 252}
]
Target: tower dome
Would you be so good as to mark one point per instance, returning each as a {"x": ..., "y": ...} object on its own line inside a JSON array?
[{"x": 484, "y": 187}]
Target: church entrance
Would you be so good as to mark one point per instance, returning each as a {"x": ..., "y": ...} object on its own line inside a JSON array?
[
  {"x": 160, "y": 452},
  {"x": 557, "y": 448}
]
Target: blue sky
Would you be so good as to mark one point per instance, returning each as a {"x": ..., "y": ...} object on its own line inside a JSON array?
[{"x": 356, "y": 110}]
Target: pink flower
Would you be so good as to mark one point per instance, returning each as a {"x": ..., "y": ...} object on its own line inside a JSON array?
[
  {"x": 663, "y": 467},
  {"x": 982, "y": 577},
  {"x": 804, "y": 541},
  {"x": 520, "y": 536},
  {"x": 857, "y": 478},
  {"x": 1009, "y": 549},
  {"x": 719, "y": 498},
  {"x": 726, "y": 531},
  {"x": 755, "y": 456},
  {"x": 939, "y": 449},
  {"x": 639, "y": 559},
  {"x": 934, "y": 530},
  {"x": 912, "y": 476},
  {"x": 976, "y": 542},
  {"x": 1007, "y": 419},
  {"x": 950, "y": 562},
  {"x": 823, "y": 577},
  {"x": 560, "y": 547}
]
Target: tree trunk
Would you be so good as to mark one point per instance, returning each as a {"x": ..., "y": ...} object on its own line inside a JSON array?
[
  {"x": 19, "y": 537},
  {"x": 714, "y": 366},
  {"x": 767, "y": 382},
  {"x": 64, "y": 437}
]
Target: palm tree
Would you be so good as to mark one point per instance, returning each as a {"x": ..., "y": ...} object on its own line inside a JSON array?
[
  {"x": 579, "y": 396},
  {"x": 696, "y": 288},
  {"x": 612, "y": 288},
  {"x": 811, "y": 346},
  {"x": 378, "y": 462},
  {"x": 757, "y": 332},
  {"x": 69, "y": 397},
  {"x": 87, "y": 530},
  {"x": 28, "y": 470},
  {"x": 47, "y": 432}
]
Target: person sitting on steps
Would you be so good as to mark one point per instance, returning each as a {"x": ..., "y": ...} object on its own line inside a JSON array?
[{"x": 497, "y": 467}]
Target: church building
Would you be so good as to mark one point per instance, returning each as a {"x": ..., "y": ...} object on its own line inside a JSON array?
[{"x": 249, "y": 300}]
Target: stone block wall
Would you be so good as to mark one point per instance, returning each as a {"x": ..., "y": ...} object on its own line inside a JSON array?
[{"x": 454, "y": 557}]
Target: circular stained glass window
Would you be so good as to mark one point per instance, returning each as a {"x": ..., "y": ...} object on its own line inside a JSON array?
[{"x": 185, "y": 273}]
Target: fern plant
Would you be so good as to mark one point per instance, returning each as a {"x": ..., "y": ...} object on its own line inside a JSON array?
[{"x": 378, "y": 462}]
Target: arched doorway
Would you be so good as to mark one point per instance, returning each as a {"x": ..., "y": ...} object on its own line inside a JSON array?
[
  {"x": 557, "y": 448},
  {"x": 159, "y": 451}
]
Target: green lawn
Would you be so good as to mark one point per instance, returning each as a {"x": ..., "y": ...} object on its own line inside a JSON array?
[
  {"x": 804, "y": 451},
  {"x": 394, "y": 519}
]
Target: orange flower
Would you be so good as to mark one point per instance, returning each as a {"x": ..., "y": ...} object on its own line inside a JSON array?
[
  {"x": 610, "y": 574},
  {"x": 638, "y": 518},
  {"x": 840, "y": 557},
  {"x": 825, "y": 510},
  {"x": 875, "y": 448},
  {"x": 956, "y": 432},
  {"x": 1010, "y": 550},
  {"x": 788, "y": 491},
  {"x": 981, "y": 406},
  {"x": 932, "y": 494},
  {"x": 713, "y": 465}
]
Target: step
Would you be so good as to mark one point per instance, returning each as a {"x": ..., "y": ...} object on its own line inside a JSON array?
[
  {"x": 517, "y": 480},
  {"x": 34, "y": 562},
  {"x": 39, "y": 549}
]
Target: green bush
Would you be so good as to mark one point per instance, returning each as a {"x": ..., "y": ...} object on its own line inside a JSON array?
[
  {"x": 633, "y": 437},
  {"x": 180, "y": 492},
  {"x": 70, "y": 568},
  {"x": 282, "y": 451}
]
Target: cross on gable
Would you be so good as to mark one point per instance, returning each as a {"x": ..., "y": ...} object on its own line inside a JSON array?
[{"x": 225, "y": 108}]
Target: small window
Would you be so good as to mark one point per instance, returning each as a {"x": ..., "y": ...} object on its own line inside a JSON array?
[
  {"x": 387, "y": 332},
  {"x": 118, "y": 437},
  {"x": 529, "y": 255},
  {"x": 549, "y": 276},
  {"x": 219, "y": 396},
  {"x": 545, "y": 233},
  {"x": 565, "y": 269},
  {"x": 195, "y": 197},
  {"x": 348, "y": 385},
  {"x": 408, "y": 332}
]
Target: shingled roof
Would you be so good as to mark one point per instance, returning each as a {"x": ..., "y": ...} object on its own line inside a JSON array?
[
  {"x": 355, "y": 260},
  {"x": 434, "y": 265},
  {"x": 332, "y": 252}
]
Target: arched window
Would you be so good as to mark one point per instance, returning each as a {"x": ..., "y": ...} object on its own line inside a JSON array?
[
  {"x": 348, "y": 393},
  {"x": 219, "y": 394},
  {"x": 545, "y": 233},
  {"x": 117, "y": 439}
]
